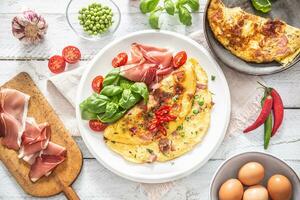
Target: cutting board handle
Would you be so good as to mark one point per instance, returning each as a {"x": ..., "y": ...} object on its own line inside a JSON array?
[{"x": 70, "y": 193}]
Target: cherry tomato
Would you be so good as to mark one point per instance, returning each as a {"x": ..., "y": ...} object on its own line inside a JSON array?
[
  {"x": 97, "y": 83},
  {"x": 119, "y": 60},
  {"x": 71, "y": 54},
  {"x": 179, "y": 59},
  {"x": 96, "y": 125},
  {"x": 57, "y": 64}
]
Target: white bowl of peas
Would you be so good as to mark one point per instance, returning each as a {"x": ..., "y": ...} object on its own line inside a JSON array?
[{"x": 93, "y": 19}]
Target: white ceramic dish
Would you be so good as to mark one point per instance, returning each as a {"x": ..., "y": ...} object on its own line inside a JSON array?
[
  {"x": 184, "y": 165},
  {"x": 272, "y": 165}
]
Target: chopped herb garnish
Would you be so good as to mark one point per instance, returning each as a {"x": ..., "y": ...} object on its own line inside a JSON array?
[
  {"x": 182, "y": 134},
  {"x": 179, "y": 127},
  {"x": 213, "y": 77},
  {"x": 150, "y": 151},
  {"x": 187, "y": 118},
  {"x": 195, "y": 111},
  {"x": 175, "y": 98}
]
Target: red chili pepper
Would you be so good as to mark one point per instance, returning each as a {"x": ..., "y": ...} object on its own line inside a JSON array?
[
  {"x": 266, "y": 110},
  {"x": 278, "y": 110}
]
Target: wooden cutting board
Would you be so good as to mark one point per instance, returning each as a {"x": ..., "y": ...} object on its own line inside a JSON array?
[{"x": 63, "y": 176}]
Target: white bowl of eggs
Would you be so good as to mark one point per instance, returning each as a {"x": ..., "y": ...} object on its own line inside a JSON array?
[{"x": 255, "y": 176}]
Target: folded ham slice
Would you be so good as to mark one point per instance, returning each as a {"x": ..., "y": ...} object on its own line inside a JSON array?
[
  {"x": 147, "y": 63},
  {"x": 13, "y": 109},
  {"x": 34, "y": 139},
  {"x": 44, "y": 165},
  {"x": 31, "y": 139}
]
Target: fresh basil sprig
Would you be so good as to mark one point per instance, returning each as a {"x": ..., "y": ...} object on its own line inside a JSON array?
[
  {"x": 185, "y": 16},
  {"x": 147, "y": 6},
  {"x": 117, "y": 96},
  {"x": 182, "y": 7}
]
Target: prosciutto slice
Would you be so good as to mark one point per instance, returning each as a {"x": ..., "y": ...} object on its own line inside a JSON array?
[
  {"x": 31, "y": 139},
  {"x": 147, "y": 63},
  {"x": 13, "y": 110},
  {"x": 34, "y": 139}
]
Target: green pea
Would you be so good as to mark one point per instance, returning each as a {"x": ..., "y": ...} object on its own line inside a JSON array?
[
  {"x": 94, "y": 28},
  {"x": 97, "y": 18},
  {"x": 98, "y": 25},
  {"x": 90, "y": 32},
  {"x": 92, "y": 18},
  {"x": 89, "y": 16},
  {"x": 95, "y": 33},
  {"x": 83, "y": 16},
  {"x": 91, "y": 25},
  {"x": 102, "y": 26},
  {"x": 81, "y": 22}
]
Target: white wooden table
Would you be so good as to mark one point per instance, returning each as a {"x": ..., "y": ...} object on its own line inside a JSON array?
[{"x": 96, "y": 182}]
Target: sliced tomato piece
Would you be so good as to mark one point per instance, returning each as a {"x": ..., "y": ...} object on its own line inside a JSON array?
[
  {"x": 56, "y": 64},
  {"x": 97, "y": 83},
  {"x": 96, "y": 125},
  {"x": 71, "y": 54},
  {"x": 179, "y": 59},
  {"x": 119, "y": 60}
]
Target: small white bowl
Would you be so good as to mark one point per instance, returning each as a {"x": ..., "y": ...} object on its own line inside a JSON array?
[
  {"x": 72, "y": 18},
  {"x": 273, "y": 165}
]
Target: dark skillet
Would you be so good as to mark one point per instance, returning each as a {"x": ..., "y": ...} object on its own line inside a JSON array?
[{"x": 286, "y": 10}]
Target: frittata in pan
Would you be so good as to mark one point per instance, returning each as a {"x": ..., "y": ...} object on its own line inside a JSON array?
[{"x": 253, "y": 38}]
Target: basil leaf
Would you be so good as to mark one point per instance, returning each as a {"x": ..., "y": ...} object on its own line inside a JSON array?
[
  {"x": 262, "y": 5},
  {"x": 96, "y": 103},
  {"x": 112, "y": 78},
  {"x": 86, "y": 115},
  {"x": 184, "y": 16},
  {"x": 111, "y": 90},
  {"x": 193, "y": 4},
  {"x": 141, "y": 89},
  {"x": 154, "y": 18},
  {"x": 169, "y": 6},
  {"x": 180, "y": 3},
  {"x": 147, "y": 6},
  {"x": 128, "y": 99},
  {"x": 111, "y": 109},
  {"x": 113, "y": 118},
  {"x": 125, "y": 83}
]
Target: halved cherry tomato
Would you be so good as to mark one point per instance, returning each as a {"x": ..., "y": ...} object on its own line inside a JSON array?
[
  {"x": 97, "y": 83},
  {"x": 71, "y": 54},
  {"x": 119, "y": 60},
  {"x": 57, "y": 64},
  {"x": 96, "y": 125},
  {"x": 179, "y": 59}
]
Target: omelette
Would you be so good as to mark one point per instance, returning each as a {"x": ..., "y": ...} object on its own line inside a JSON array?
[
  {"x": 133, "y": 127},
  {"x": 253, "y": 38},
  {"x": 188, "y": 132}
]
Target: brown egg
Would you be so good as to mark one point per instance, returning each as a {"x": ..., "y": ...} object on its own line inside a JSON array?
[
  {"x": 256, "y": 192},
  {"x": 279, "y": 187},
  {"x": 251, "y": 173},
  {"x": 232, "y": 189}
]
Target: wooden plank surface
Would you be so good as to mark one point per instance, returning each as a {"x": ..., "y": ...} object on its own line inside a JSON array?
[{"x": 96, "y": 182}]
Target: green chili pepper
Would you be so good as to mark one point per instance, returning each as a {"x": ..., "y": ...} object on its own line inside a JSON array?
[
  {"x": 268, "y": 124},
  {"x": 268, "y": 131},
  {"x": 262, "y": 5}
]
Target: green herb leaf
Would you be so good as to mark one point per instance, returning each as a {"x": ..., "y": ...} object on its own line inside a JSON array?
[
  {"x": 169, "y": 6},
  {"x": 141, "y": 89},
  {"x": 193, "y": 4},
  {"x": 185, "y": 16},
  {"x": 96, "y": 103},
  {"x": 154, "y": 18},
  {"x": 213, "y": 77},
  {"x": 128, "y": 99},
  {"x": 262, "y": 5},
  {"x": 112, "y": 78},
  {"x": 111, "y": 109},
  {"x": 113, "y": 118},
  {"x": 125, "y": 83},
  {"x": 147, "y": 6},
  {"x": 111, "y": 90},
  {"x": 86, "y": 115}
]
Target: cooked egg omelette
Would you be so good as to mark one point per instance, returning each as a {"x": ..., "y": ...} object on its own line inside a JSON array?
[
  {"x": 253, "y": 38},
  {"x": 188, "y": 133},
  {"x": 133, "y": 127}
]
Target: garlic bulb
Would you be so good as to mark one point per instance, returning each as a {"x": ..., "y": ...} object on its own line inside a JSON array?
[{"x": 29, "y": 27}]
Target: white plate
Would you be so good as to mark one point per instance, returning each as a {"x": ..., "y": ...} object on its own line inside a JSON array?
[{"x": 184, "y": 165}]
